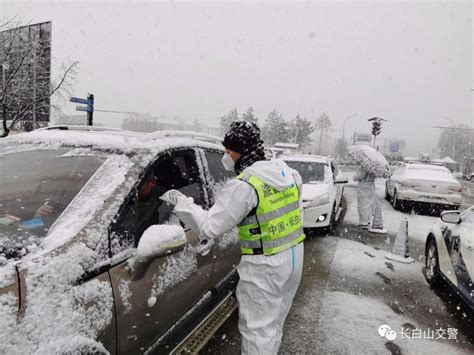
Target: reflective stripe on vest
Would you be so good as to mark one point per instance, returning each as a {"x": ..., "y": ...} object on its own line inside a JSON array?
[{"x": 276, "y": 225}]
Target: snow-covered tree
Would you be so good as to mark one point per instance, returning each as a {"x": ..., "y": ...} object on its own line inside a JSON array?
[
  {"x": 250, "y": 116},
  {"x": 140, "y": 123},
  {"x": 323, "y": 123},
  {"x": 300, "y": 130},
  {"x": 25, "y": 83},
  {"x": 457, "y": 143},
  {"x": 226, "y": 120},
  {"x": 275, "y": 129}
]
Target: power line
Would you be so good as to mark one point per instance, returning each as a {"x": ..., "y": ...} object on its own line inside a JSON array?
[{"x": 463, "y": 128}]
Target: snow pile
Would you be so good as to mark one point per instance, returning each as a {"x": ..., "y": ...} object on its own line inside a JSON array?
[
  {"x": 61, "y": 316},
  {"x": 125, "y": 295},
  {"x": 158, "y": 240},
  {"x": 7, "y": 274},
  {"x": 370, "y": 159}
]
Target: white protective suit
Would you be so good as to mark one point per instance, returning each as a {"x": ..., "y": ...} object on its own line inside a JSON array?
[
  {"x": 267, "y": 283},
  {"x": 365, "y": 195}
]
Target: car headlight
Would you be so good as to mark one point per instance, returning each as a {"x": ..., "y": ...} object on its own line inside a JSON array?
[{"x": 318, "y": 201}]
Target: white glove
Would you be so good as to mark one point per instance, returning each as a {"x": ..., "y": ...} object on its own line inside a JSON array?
[
  {"x": 205, "y": 246},
  {"x": 173, "y": 197}
]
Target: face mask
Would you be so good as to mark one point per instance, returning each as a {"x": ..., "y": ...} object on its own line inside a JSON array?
[{"x": 228, "y": 162}]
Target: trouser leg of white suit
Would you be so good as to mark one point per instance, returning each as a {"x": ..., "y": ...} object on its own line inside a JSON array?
[
  {"x": 265, "y": 292},
  {"x": 290, "y": 291},
  {"x": 365, "y": 195},
  {"x": 377, "y": 213}
]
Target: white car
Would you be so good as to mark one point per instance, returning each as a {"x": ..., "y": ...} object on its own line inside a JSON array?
[
  {"x": 414, "y": 183},
  {"x": 322, "y": 189},
  {"x": 449, "y": 253}
]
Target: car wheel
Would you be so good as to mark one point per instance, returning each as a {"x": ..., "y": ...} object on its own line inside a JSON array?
[
  {"x": 395, "y": 202},
  {"x": 387, "y": 195},
  {"x": 432, "y": 263}
]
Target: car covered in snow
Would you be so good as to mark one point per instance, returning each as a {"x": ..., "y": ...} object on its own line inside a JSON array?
[
  {"x": 423, "y": 183},
  {"x": 322, "y": 189},
  {"x": 449, "y": 253},
  {"x": 91, "y": 260}
]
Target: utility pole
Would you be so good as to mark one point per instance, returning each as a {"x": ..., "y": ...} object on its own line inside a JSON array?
[{"x": 90, "y": 108}]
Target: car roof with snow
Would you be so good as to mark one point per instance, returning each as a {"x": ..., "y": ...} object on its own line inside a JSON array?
[
  {"x": 107, "y": 139},
  {"x": 307, "y": 158},
  {"x": 427, "y": 167}
]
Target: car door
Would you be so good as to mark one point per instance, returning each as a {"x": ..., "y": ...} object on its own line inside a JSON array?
[
  {"x": 393, "y": 180},
  {"x": 226, "y": 252},
  {"x": 148, "y": 304},
  {"x": 466, "y": 255},
  {"x": 459, "y": 240}
]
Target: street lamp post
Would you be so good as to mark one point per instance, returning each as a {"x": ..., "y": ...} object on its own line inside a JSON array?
[{"x": 344, "y": 125}]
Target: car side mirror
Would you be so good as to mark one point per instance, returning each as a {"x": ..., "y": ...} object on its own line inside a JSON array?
[
  {"x": 341, "y": 179},
  {"x": 156, "y": 241},
  {"x": 451, "y": 217}
]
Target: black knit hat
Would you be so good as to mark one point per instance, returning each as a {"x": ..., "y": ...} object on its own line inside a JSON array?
[{"x": 242, "y": 136}]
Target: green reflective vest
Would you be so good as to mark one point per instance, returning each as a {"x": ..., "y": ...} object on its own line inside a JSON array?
[{"x": 276, "y": 224}]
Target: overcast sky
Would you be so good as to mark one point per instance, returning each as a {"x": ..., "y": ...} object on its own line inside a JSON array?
[{"x": 410, "y": 63}]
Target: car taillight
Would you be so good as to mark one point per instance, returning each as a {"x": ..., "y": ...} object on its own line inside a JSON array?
[
  {"x": 455, "y": 188},
  {"x": 408, "y": 183}
]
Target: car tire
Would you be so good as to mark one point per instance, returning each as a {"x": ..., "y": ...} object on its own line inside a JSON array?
[
  {"x": 387, "y": 195},
  {"x": 395, "y": 202},
  {"x": 432, "y": 274}
]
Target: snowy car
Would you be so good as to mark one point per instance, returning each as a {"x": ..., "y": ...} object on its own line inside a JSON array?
[
  {"x": 449, "y": 253},
  {"x": 423, "y": 183},
  {"x": 322, "y": 189},
  {"x": 91, "y": 261}
]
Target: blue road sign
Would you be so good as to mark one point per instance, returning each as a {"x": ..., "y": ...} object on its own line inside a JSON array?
[
  {"x": 78, "y": 100},
  {"x": 85, "y": 108},
  {"x": 394, "y": 147}
]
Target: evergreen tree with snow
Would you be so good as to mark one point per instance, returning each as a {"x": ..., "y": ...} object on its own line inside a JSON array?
[
  {"x": 275, "y": 129},
  {"x": 226, "y": 120},
  {"x": 323, "y": 124},
  {"x": 300, "y": 130},
  {"x": 250, "y": 116}
]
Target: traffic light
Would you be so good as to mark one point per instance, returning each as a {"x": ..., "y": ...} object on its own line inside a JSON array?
[{"x": 376, "y": 128}]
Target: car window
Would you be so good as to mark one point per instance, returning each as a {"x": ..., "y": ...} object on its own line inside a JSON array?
[
  {"x": 216, "y": 169},
  {"x": 36, "y": 186},
  {"x": 218, "y": 174},
  {"x": 311, "y": 172},
  {"x": 143, "y": 208}
]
